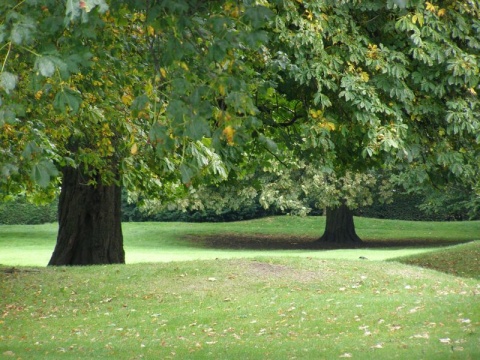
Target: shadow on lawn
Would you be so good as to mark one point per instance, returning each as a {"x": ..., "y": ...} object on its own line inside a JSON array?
[{"x": 285, "y": 242}]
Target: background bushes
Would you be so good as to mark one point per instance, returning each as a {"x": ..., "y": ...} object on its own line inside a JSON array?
[
  {"x": 130, "y": 212},
  {"x": 404, "y": 207},
  {"x": 21, "y": 212}
]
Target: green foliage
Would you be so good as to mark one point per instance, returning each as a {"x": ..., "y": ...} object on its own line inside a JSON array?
[
  {"x": 21, "y": 212},
  {"x": 158, "y": 122}
]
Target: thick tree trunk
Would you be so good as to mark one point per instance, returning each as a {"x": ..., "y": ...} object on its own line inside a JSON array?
[
  {"x": 90, "y": 229},
  {"x": 340, "y": 227}
]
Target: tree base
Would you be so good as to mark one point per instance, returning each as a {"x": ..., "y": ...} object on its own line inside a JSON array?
[
  {"x": 340, "y": 228},
  {"x": 90, "y": 230}
]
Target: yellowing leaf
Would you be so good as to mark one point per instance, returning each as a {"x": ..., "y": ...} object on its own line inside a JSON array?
[
  {"x": 149, "y": 88},
  {"x": 221, "y": 89},
  {"x": 330, "y": 126},
  {"x": 364, "y": 76},
  {"x": 441, "y": 12},
  {"x": 150, "y": 30},
  {"x": 430, "y": 7},
  {"x": 134, "y": 149},
  {"x": 127, "y": 99},
  {"x": 38, "y": 94},
  {"x": 228, "y": 132},
  {"x": 316, "y": 113},
  {"x": 418, "y": 17},
  {"x": 163, "y": 72}
]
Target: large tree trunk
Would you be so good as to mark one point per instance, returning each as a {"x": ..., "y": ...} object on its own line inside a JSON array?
[
  {"x": 340, "y": 227},
  {"x": 90, "y": 229}
]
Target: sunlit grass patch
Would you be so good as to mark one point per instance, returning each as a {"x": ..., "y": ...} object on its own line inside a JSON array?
[{"x": 28, "y": 245}]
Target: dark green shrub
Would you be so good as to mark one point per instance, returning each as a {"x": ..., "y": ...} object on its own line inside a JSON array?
[
  {"x": 21, "y": 212},
  {"x": 410, "y": 207}
]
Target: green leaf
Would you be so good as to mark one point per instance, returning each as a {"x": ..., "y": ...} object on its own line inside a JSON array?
[
  {"x": 269, "y": 143},
  {"x": 42, "y": 172},
  {"x": 7, "y": 170},
  {"x": 45, "y": 66},
  {"x": 197, "y": 128},
  {"x": 3, "y": 34},
  {"x": 218, "y": 51},
  {"x": 159, "y": 136},
  {"x": 187, "y": 173},
  {"x": 8, "y": 81},
  {"x": 67, "y": 98},
  {"x": 258, "y": 15},
  {"x": 22, "y": 31},
  {"x": 7, "y": 116},
  {"x": 139, "y": 104}
]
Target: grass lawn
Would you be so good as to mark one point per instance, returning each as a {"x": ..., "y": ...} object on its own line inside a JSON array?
[
  {"x": 32, "y": 245},
  {"x": 243, "y": 303}
]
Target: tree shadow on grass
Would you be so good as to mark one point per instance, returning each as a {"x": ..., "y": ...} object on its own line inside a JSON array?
[{"x": 287, "y": 242}]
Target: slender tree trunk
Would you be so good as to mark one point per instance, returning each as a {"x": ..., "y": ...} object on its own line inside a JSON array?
[
  {"x": 90, "y": 229},
  {"x": 340, "y": 227}
]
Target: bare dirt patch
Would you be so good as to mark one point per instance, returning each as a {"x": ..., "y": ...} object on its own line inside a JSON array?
[
  {"x": 260, "y": 269},
  {"x": 288, "y": 242}
]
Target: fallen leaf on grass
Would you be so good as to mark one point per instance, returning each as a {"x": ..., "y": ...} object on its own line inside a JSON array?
[
  {"x": 414, "y": 310},
  {"x": 346, "y": 355},
  {"x": 394, "y": 327},
  {"x": 8, "y": 353},
  {"x": 377, "y": 346},
  {"x": 445, "y": 340}
]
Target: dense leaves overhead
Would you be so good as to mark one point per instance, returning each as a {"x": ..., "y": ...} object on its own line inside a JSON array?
[
  {"x": 172, "y": 92},
  {"x": 160, "y": 90}
]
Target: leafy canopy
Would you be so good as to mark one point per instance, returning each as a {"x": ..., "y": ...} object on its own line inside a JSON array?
[{"x": 171, "y": 92}]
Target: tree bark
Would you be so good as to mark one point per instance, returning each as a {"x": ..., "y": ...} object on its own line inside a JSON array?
[
  {"x": 90, "y": 230},
  {"x": 340, "y": 227}
]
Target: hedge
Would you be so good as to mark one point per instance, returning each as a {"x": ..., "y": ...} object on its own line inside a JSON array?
[
  {"x": 20, "y": 212},
  {"x": 404, "y": 207}
]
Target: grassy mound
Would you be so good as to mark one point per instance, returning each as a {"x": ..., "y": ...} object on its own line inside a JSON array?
[
  {"x": 262, "y": 308},
  {"x": 460, "y": 260}
]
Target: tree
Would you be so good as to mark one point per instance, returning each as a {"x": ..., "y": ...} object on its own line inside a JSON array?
[
  {"x": 362, "y": 86},
  {"x": 378, "y": 86},
  {"x": 134, "y": 96}
]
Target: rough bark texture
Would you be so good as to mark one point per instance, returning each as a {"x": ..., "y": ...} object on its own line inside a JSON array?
[
  {"x": 90, "y": 231},
  {"x": 339, "y": 226}
]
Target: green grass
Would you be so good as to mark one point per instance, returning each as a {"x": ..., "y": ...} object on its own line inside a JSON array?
[
  {"x": 460, "y": 260},
  {"x": 263, "y": 308},
  {"x": 32, "y": 245},
  {"x": 244, "y": 304}
]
